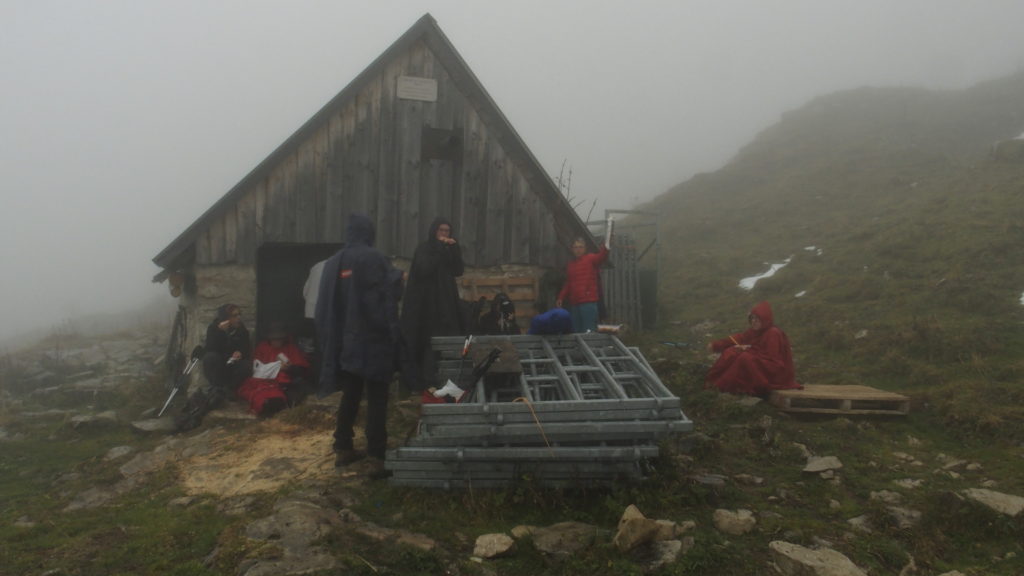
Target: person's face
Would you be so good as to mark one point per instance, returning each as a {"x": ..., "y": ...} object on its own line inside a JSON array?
[
  {"x": 443, "y": 231},
  {"x": 235, "y": 317},
  {"x": 755, "y": 322},
  {"x": 578, "y": 249}
]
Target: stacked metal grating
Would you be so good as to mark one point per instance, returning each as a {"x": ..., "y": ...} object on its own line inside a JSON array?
[{"x": 574, "y": 410}]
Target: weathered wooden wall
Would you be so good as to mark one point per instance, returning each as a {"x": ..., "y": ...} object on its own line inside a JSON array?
[{"x": 367, "y": 157}]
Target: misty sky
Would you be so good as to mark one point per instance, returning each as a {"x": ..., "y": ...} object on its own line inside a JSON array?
[{"x": 122, "y": 121}]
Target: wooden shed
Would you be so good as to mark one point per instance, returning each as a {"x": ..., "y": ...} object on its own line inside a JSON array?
[{"x": 412, "y": 137}]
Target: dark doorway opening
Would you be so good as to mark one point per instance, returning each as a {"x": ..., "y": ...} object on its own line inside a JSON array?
[{"x": 281, "y": 273}]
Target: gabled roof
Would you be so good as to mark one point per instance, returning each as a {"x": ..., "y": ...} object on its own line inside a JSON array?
[{"x": 425, "y": 29}]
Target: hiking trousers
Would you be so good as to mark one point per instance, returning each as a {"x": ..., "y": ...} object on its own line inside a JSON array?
[{"x": 352, "y": 387}]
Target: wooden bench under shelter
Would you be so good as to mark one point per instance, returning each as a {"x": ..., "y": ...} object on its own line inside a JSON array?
[{"x": 840, "y": 399}]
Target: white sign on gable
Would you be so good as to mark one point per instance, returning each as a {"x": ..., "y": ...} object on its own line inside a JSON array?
[{"x": 413, "y": 88}]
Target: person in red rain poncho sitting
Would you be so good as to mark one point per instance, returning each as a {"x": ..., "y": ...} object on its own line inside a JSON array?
[
  {"x": 756, "y": 361},
  {"x": 267, "y": 396}
]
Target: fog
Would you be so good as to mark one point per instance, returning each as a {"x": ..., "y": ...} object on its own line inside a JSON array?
[{"x": 122, "y": 121}]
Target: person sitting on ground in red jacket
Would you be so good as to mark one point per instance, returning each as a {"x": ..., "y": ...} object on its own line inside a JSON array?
[
  {"x": 582, "y": 286},
  {"x": 756, "y": 361},
  {"x": 267, "y": 395}
]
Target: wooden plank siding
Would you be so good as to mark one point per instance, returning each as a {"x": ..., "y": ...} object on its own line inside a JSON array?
[
  {"x": 366, "y": 155},
  {"x": 387, "y": 182}
]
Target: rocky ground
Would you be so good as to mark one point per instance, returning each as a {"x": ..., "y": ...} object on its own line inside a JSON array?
[{"x": 237, "y": 461}]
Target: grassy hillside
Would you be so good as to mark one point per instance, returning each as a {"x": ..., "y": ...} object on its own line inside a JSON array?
[{"x": 916, "y": 232}]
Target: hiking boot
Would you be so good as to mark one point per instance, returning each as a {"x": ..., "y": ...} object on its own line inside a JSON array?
[
  {"x": 376, "y": 470},
  {"x": 346, "y": 457}
]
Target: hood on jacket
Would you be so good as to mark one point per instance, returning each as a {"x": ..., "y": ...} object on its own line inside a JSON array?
[
  {"x": 502, "y": 304},
  {"x": 360, "y": 231},
  {"x": 432, "y": 233},
  {"x": 763, "y": 311}
]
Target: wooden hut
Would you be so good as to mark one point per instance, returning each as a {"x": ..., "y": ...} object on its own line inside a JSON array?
[{"x": 414, "y": 136}]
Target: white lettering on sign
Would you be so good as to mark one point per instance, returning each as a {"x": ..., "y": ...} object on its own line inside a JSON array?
[{"x": 413, "y": 88}]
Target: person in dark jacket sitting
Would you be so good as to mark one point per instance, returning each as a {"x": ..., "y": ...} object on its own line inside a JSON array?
[
  {"x": 502, "y": 317},
  {"x": 357, "y": 327},
  {"x": 228, "y": 359}
]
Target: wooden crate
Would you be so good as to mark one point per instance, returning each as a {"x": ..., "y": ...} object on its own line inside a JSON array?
[
  {"x": 849, "y": 399},
  {"x": 523, "y": 291}
]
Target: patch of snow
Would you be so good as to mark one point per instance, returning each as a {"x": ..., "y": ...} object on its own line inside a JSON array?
[
  {"x": 748, "y": 283},
  {"x": 800, "y": 294},
  {"x": 817, "y": 251}
]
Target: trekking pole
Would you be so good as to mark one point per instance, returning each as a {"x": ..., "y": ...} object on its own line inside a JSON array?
[{"x": 197, "y": 353}]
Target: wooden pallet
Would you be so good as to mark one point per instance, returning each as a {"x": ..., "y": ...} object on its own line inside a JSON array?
[{"x": 825, "y": 399}]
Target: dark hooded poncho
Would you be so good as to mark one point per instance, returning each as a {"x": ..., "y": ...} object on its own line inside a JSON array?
[
  {"x": 356, "y": 314},
  {"x": 432, "y": 306}
]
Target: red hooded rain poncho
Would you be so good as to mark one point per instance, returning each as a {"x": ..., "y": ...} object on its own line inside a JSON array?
[{"x": 765, "y": 366}]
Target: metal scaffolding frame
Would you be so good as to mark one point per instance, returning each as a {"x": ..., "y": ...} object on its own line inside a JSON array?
[{"x": 580, "y": 409}]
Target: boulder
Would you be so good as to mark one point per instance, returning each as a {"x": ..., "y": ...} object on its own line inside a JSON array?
[
  {"x": 635, "y": 529},
  {"x": 732, "y": 522},
  {"x": 818, "y": 464},
  {"x": 493, "y": 545},
  {"x": 1002, "y": 503},
  {"x": 796, "y": 560},
  {"x": 564, "y": 538}
]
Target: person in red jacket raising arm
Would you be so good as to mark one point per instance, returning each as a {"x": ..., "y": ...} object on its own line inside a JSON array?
[
  {"x": 581, "y": 286},
  {"x": 756, "y": 361}
]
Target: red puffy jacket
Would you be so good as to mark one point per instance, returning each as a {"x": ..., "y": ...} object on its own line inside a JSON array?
[{"x": 581, "y": 278}]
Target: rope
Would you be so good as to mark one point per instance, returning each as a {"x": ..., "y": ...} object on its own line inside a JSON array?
[{"x": 540, "y": 427}]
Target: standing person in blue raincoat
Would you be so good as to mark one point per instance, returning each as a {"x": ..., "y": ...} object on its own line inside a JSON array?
[{"x": 357, "y": 327}]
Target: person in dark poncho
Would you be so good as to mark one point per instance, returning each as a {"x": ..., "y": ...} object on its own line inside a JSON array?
[
  {"x": 432, "y": 306},
  {"x": 228, "y": 358},
  {"x": 501, "y": 319},
  {"x": 756, "y": 361},
  {"x": 357, "y": 327}
]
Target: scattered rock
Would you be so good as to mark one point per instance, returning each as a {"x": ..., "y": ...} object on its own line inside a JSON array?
[
  {"x": 818, "y": 464},
  {"x": 861, "y": 523},
  {"x": 904, "y": 517},
  {"x": 162, "y": 425},
  {"x": 796, "y": 560},
  {"x": 118, "y": 452},
  {"x": 635, "y": 529},
  {"x": 748, "y": 480},
  {"x": 83, "y": 421},
  {"x": 736, "y": 522},
  {"x": 24, "y": 522},
  {"x": 908, "y": 483},
  {"x": 714, "y": 480},
  {"x": 661, "y": 553},
  {"x": 1007, "y": 504},
  {"x": 887, "y": 497},
  {"x": 564, "y": 538},
  {"x": 803, "y": 450},
  {"x": 369, "y": 529},
  {"x": 493, "y": 545}
]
